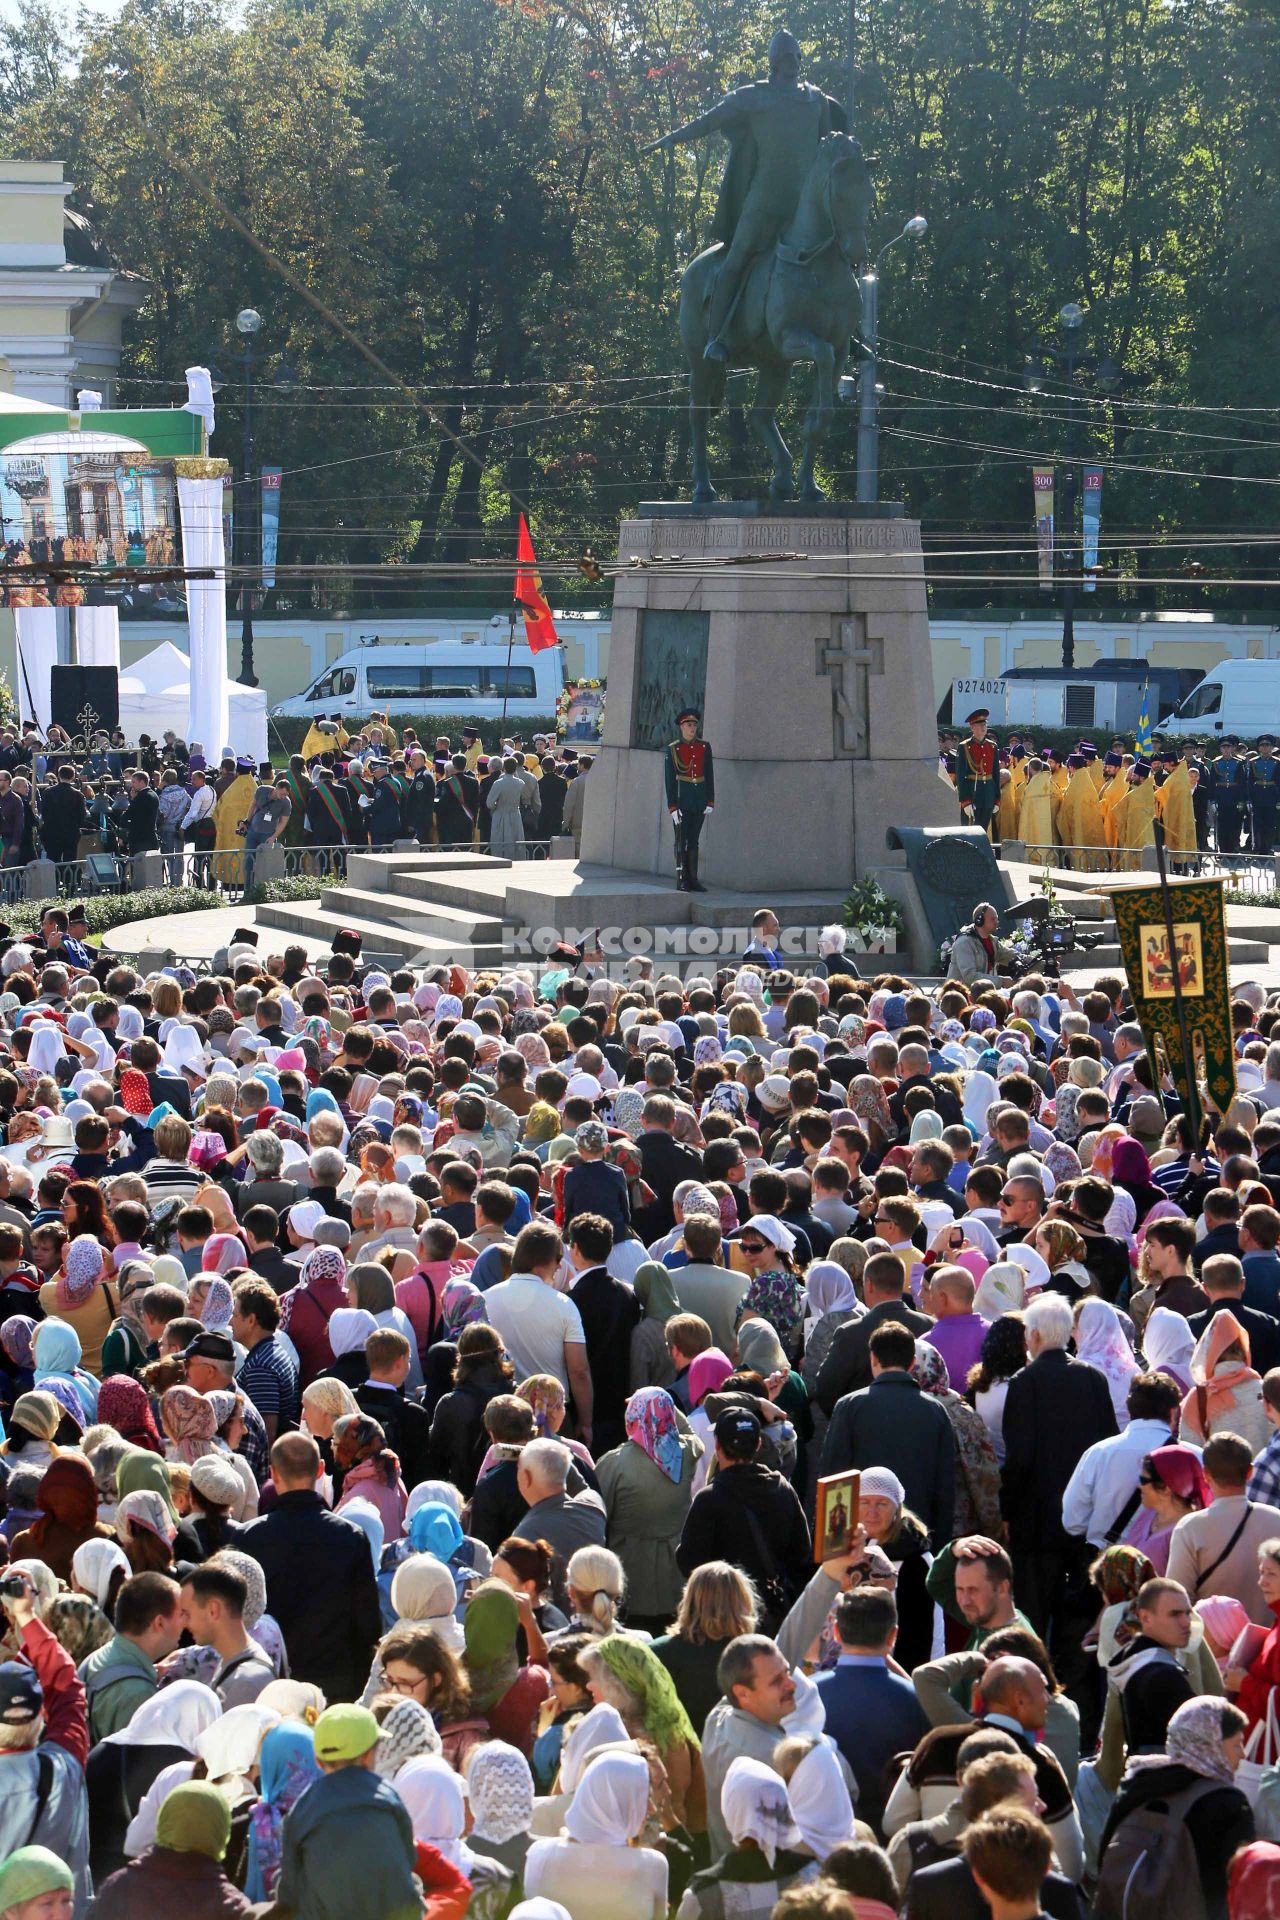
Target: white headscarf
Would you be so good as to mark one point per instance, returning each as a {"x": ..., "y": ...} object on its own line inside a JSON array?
[
  {"x": 602, "y": 1727},
  {"x": 501, "y": 1789},
  {"x": 129, "y": 1024},
  {"x": 540, "y": 1908},
  {"x": 349, "y": 1328},
  {"x": 980, "y": 1092},
  {"x": 436, "y": 1806},
  {"x": 177, "y": 1716},
  {"x": 1167, "y": 1341},
  {"x": 770, "y": 1228},
  {"x": 754, "y": 1805},
  {"x": 828, "y": 1289},
  {"x": 183, "y": 1052},
  {"x": 1100, "y": 1340},
  {"x": 1002, "y": 1289},
  {"x": 92, "y": 1565},
  {"x": 229, "y": 1748},
  {"x": 820, "y": 1801},
  {"x": 611, "y": 1802},
  {"x": 46, "y": 1048}
]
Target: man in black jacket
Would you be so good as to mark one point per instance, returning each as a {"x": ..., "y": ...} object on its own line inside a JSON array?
[
  {"x": 62, "y": 818},
  {"x": 406, "y": 1425},
  {"x": 1056, "y": 1408},
  {"x": 609, "y": 1312},
  {"x": 319, "y": 1572},
  {"x": 749, "y": 1515},
  {"x": 847, "y": 1366},
  {"x": 892, "y": 1424},
  {"x": 142, "y": 816},
  {"x": 664, "y": 1164},
  {"x": 1149, "y": 1682}
]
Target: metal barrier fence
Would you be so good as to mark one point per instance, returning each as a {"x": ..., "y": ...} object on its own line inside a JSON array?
[{"x": 1245, "y": 872}]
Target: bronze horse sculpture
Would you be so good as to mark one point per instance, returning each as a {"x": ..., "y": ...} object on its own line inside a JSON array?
[{"x": 799, "y": 302}]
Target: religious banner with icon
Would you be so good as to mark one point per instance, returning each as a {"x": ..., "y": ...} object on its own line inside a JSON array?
[
  {"x": 1092, "y": 525},
  {"x": 1042, "y": 483},
  {"x": 1197, "y": 961},
  {"x": 835, "y": 1515}
]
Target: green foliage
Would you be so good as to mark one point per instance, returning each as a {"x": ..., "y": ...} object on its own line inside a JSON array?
[
  {"x": 465, "y": 189},
  {"x": 289, "y": 732},
  {"x": 106, "y": 912},
  {"x": 301, "y": 886}
]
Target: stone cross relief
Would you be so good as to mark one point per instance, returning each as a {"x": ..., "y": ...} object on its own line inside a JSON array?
[{"x": 847, "y": 660}]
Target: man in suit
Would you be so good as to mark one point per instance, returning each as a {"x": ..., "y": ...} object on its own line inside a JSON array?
[
  {"x": 892, "y": 1424},
  {"x": 1223, "y": 1279},
  {"x": 1258, "y": 1234},
  {"x": 1056, "y": 1408},
  {"x": 406, "y": 1425},
  {"x": 664, "y": 1163},
  {"x": 871, "y": 1713},
  {"x": 847, "y": 1366}
]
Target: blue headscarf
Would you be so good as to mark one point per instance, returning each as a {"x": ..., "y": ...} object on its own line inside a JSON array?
[
  {"x": 363, "y": 1514},
  {"x": 286, "y": 1768},
  {"x": 320, "y": 1100},
  {"x": 57, "y": 1355},
  {"x": 435, "y": 1530}
]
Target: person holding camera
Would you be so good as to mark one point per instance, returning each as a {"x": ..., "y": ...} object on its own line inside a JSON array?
[
  {"x": 977, "y": 953},
  {"x": 44, "y": 1742}
]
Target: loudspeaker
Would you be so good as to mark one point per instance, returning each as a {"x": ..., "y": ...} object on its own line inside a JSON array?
[{"x": 72, "y": 689}]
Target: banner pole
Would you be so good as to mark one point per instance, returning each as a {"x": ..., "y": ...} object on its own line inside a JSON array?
[
  {"x": 506, "y": 684},
  {"x": 1180, "y": 1007}
]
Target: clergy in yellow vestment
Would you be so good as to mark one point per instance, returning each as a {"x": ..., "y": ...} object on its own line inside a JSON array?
[
  {"x": 324, "y": 736},
  {"x": 1097, "y": 772},
  {"x": 1174, "y": 805},
  {"x": 230, "y": 817},
  {"x": 1035, "y": 813},
  {"x": 1135, "y": 816},
  {"x": 1007, "y": 811},
  {"x": 1080, "y": 822}
]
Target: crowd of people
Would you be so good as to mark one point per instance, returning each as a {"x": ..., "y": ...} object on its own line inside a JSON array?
[
  {"x": 61, "y": 800},
  {"x": 1087, "y": 807},
  {"x": 419, "y": 1392}
]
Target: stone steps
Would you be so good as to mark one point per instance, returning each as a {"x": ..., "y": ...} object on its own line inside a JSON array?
[{"x": 379, "y": 935}]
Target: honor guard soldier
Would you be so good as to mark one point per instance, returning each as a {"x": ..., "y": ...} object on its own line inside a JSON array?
[
  {"x": 976, "y": 785},
  {"x": 1228, "y": 792},
  {"x": 1264, "y": 794},
  {"x": 691, "y": 794}
]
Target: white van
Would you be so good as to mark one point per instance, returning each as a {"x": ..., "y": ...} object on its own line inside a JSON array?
[
  {"x": 1236, "y": 696},
  {"x": 432, "y": 677}
]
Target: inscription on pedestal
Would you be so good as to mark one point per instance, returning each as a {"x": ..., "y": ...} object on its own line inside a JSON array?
[{"x": 671, "y": 538}]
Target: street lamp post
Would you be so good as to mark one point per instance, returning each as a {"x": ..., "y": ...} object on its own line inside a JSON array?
[
  {"x": 1107, "y": 376},
  {"x": 867, "y": 387},
  {"x": 248, "y": 321}
]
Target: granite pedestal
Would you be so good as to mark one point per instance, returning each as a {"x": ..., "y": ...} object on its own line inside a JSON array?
[{"x": 801, "y": 634}]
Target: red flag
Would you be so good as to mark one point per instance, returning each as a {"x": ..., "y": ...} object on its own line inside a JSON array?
[{"x": 539, "y": 627}]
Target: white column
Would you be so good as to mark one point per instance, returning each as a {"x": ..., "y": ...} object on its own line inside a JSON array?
[
  {"x": 200, "y": 505},
  {"x": 37, "y": 629},
  {"x": 98, "y": 637}
]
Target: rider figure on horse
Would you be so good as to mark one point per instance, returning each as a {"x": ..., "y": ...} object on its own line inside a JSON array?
[{"x": 774, "y": 128}]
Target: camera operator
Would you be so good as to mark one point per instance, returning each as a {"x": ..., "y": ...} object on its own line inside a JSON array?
[{"x": 977, "y": 953}]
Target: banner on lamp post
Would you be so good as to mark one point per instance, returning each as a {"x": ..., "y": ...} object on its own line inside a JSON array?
[
  {"x": 228, "y": 515},
  {"x": 271, "y": 477},
  {"x": 1042, "y": 483},
  {"x": 1092, "y": 525}
]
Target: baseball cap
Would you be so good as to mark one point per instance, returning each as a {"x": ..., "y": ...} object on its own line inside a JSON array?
[
  {"x": 21, "y": 1695},
  {"x": 738, "y": 1433},
  {"x": 211, "y": 1346},
  {"x": 345, "y": 1732}
]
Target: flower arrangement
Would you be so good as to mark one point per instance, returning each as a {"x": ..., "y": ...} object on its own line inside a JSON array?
[
  {"x": 570, "y": 694},
  {"x": 873, "y": 919}
]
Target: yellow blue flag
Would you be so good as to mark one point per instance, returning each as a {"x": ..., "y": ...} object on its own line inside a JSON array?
[{"x": 1144, "y": 727}]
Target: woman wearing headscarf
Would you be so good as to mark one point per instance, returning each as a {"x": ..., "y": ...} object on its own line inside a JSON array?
[
  {"x": 651, "y": 1362},
  {"x": 56, "y": 1347},
  {"x": 764, "y": 1856},
  {"x": 163, "y": 1732},
  {"x": 507, "y": 1694},
  {"x": 307, "y": 1309},
  {"x": 550, "y": 1403},
  {"x": 1226, "y": 1396},
  {"x": 145, "y": 1474},
  {"x": 68, "y": 1502},
  {"x": 349, "y": 1328},
  {"x": 125, "y": 1348},
  {"x": 33, "y": 1424},
  {"x": 183, "y": 1871},
  {"x": 1168, "y": 1344},
  {"x": 286, "y": 1768},
  {"x": 820, "y": 1803},
  {"x": 595, "y": 1871},
  {"x": 647, "y": 1485},
  {"x": 190, "y": 1424},
  {"x": 423, "y": 1594},
  {"x": 1253, "y": 1885},
  {"x": 500, "y": 1788},
  {"x": 408, "y": 1732},
  {"x": 370, "y": 1471},
  {"x": 1131, "y": 1171},
  {"x": 1101, "y": 1343},
  {"x": 1171, "y": 1484},
  {"x": 626, "y": 1673},
  {"x": 1002, "y": 1289},
  {"x": 434, "y": 1799},
  {"x": 775, "y": 1290},
  {"x": 977, "y": 1501},
  {"x": 82, "y": 1298},
  {"x": 760, "y": 1351},
  {"x": 17, "y": 1360},
  {"x": 99, "y": 1569},
  {"x": 831, "y": 1300},
  {"x": 1205, "y": 1742}
]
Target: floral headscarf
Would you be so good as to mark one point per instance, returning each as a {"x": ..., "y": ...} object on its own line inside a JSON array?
[
  {"x": 286, "y": 1768},
  {"x": 461, "y": 1305},
  {"x": 190, "y": 1422},
  {"x": 868, "y": 1099},
  {"x": 85, "y": 1269},
  {"x": 218, "y": 1302},
  {"x": 778, "y": 1297},
  {"x": 15, "y": 1337},
  {"x": 222, "y": 1252},
  {"x": 651, "y": 1425},
  {"x": 546, "y": 1395},
  {"x": 1194, "y": 1740},
  {"x": 124, "y": 1404},
  {"x": 628, "y": 1109},
  {"x": 930, "y": 1370}
]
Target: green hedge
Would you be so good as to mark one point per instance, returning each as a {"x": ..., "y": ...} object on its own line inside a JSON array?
[
  {"x": 107, "y": 911},
  {"x": 287, "y": 734}
]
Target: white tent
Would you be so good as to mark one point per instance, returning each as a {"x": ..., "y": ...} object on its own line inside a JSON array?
[{"x": 155, "y": 693}]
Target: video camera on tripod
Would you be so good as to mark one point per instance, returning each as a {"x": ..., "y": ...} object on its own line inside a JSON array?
[{"x": 1042, "y": 935}]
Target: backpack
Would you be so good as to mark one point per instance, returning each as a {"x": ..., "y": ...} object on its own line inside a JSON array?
[{"x": 1149, "y": 1870}]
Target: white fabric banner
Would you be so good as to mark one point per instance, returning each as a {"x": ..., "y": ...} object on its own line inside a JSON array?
[
  {"x": 200, "y": 504},
  {"x": 98, "y": 637},
  {"x": 37, "y": 629}
]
